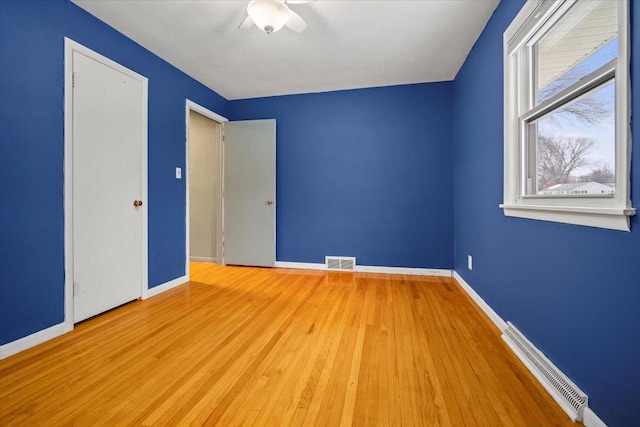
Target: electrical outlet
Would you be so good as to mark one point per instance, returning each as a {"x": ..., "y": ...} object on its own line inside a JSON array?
[
  {"x": 469, "y": 262},
  {"x": 178, "y": 173}
]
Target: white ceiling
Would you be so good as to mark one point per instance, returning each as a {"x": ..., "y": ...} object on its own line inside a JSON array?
[{"x": 348, "y": 44}]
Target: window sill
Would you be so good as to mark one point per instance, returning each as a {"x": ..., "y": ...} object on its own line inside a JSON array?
[
  {"x": 609, "y": 218},
  {"x": 567, "y": 196}
]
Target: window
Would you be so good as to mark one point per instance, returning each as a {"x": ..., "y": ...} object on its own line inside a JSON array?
[{"x": 567, "y": 97}]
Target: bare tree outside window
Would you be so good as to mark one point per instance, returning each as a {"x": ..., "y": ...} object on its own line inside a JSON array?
[
  {"x": 577, "y": 141},
  {"x": 602, "y": 175},
  {"x": 559, "y": 158}
]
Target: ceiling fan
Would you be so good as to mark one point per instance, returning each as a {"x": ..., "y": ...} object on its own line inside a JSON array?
[{"x": 271, "y": 15}]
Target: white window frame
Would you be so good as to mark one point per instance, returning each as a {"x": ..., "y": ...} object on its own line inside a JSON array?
[{"x": 604, "y": 211}]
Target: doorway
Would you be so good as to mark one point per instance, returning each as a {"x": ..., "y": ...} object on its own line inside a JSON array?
[
  {"x": 242, "y": 166},
  {"x": 204, "y": 141},
  {"x": 204, "y": 175}
]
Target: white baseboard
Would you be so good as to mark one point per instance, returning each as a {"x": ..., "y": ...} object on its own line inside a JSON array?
[
  {"x": 590, "y": 419},
  {"x": 301, "y": 265},
  {"x": 368, "y": 269},
  {"x": 202, "y": 259},
  {"x": 403, "y": 270},
  {"x": 166, "y": 286},
  {"x": 495, "y": 318},
  {"x": 9, "y": 349}
]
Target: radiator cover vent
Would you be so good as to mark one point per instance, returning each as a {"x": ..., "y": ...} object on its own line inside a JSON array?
[
  {"x": 340, "y": 263},
  {"x": 562, "y": 389}
]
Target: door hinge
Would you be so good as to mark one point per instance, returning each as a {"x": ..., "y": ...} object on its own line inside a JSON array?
[
  {"x": 73, "y": 79},
  {"x": 76, "y": 289}
]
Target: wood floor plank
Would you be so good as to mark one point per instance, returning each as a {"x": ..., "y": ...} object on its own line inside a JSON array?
[{"x": 240, "y": 346}]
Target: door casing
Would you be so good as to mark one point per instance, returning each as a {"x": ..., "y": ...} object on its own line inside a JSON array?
[{"x": 71, "y": 46}]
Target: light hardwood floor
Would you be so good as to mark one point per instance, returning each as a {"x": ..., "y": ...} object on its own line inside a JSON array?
[{"x": 275, "y": 347}]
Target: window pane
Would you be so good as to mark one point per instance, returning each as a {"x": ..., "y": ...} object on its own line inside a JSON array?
[
  {"x": 575, "y": 145},
  {"x": 582, "y": 41}
]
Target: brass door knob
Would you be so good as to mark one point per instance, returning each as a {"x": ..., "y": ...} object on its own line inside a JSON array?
[
  {"x": 137, "y": 203},
  {"x": 269, "y": 202}
]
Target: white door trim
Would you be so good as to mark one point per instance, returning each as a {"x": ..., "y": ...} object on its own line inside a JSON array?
[
  {"x": 192, "y": 106},
  {"x": 71, "y": 46}
]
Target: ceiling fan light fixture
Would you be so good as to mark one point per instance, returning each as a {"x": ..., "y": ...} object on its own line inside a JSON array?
[{"x": 268, "y": 15}]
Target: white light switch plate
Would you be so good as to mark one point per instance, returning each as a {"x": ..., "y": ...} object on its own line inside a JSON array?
[{"x": 178, "y": 173}]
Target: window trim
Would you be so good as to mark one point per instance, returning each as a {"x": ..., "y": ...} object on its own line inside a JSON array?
[{"x": 611, "y": 212}]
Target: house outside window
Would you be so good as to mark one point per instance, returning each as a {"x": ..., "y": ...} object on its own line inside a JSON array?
[{"x": 567, "y": 119}]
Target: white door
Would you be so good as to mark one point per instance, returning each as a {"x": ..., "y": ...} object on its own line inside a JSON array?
[
  {"x": 109, "y": 124},
  {"x": 250, "y": 191}
]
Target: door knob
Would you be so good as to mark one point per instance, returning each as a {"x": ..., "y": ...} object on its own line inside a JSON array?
[
  {"x": 137, "y": 203},
  {"x": 269, "y": 202}
]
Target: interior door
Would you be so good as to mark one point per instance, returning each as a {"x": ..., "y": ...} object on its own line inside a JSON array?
[
  {"x": 108, "y": 122},
  {"x": 250, "y": 191}
]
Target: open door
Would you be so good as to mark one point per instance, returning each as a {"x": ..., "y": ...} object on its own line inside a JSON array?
[{"x": 250, "y": 193}]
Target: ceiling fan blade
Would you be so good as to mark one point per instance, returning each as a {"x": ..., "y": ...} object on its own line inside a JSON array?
[
  {"x": 299, "y": 1},
  {"x": 248, "y": 22},
  {"x": 295, "y": 22}
]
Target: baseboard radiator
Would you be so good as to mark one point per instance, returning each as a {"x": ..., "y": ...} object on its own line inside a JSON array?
[
  {"x": 562, "y": 389},
  {"x": 340, "y": 263}
]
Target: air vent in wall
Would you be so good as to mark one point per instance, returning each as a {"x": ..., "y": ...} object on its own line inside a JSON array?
[{"x": 340, "y": 263}]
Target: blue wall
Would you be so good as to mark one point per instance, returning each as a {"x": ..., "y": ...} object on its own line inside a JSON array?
[
  {"x": 574, "y": 291},
  {"x": 31, "y": 160},
  {"x": 364, "y": 173}
]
